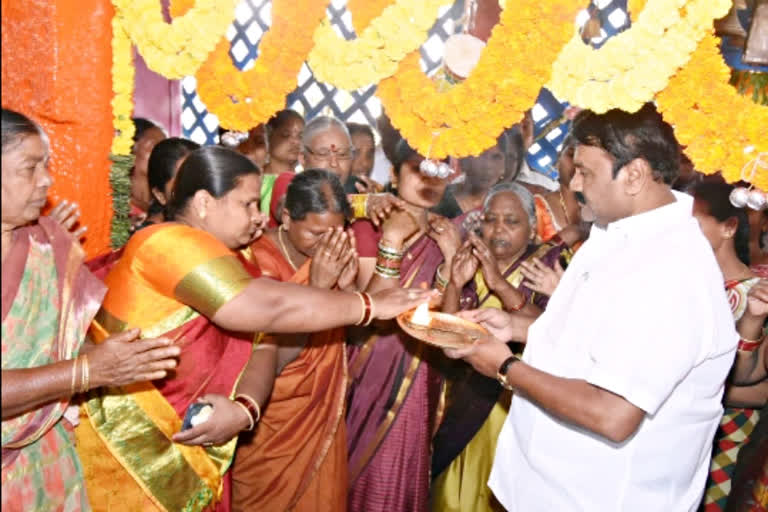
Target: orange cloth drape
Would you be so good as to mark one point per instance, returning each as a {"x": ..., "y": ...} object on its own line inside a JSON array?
[
  {"x": 546, "y": 225},
  {"x": 60, "y": 75},
  {"x": 297, "y": 459}
]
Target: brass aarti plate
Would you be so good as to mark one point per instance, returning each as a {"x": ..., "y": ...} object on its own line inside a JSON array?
[{"x": 441, "y": 329}]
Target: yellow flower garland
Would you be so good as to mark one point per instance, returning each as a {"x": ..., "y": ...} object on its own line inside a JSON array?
[
  {"x": 467, "y": 119},
  {"x": 244, "y": 99},
  {"x": 123, "y": 74},
  {"x": 636, "y": 64},
  {"x": 364, "y": 11},
  {"x": 177, "y": 49},
  {"x": 721, "y": 129},
  {"x": 376, "y": 52}
]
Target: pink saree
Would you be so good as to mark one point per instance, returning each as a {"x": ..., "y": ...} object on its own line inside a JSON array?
[{"x": 48, "y": 300}]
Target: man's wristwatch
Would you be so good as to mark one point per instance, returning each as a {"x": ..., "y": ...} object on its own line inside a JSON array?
[{"x": 501, "y": 375}]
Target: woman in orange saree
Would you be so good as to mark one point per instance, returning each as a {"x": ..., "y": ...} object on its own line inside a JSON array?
[
  {"x": 297, "y": 458},
  {"x": 48, "y": 300},
  {"x": 184, "y": 280}
]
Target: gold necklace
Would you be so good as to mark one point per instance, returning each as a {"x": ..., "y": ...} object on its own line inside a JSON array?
[
  {"x": 565, "y": 210},
  {"x": 283, "y": 247}
]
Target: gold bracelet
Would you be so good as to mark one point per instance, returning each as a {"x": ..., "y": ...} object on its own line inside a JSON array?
[
  {"x": 72, "y": 389},
  {"x": 386, "y": 273},
  {"x": 442, "y": 283},
  {"x": 371, "y": 311},
  {"x": 85, "y": 375},
  {"x": 362, "y": 308},
  {"x": 254, "y": 403},
  {"x": 359, "y": 203},
  {"x": 390, "y": 253},
  {"x": 251, "y": 423}
]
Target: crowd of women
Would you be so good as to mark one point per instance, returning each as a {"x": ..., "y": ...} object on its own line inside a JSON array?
[{"x": 262, "y": 298}]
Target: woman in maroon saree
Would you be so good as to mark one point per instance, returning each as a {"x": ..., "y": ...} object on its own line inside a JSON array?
[{"x": 395, "y": 390}]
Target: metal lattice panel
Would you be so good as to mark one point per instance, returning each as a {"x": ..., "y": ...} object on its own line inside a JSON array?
[
  {"x": 548, "y": 109},
  {"x": 310, "y": 98},
  {"x": 252, "y": 19}
]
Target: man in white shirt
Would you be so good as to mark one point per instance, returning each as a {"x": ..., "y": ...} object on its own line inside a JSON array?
[{"x": 617, "y": 396}]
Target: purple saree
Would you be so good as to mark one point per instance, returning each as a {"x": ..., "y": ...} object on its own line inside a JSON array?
[{"x": 393, "y": 401}]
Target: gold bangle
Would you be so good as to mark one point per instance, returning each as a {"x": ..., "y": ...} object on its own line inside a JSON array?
[
  {"x": 72, "y": 389},
  {"x": 251, "y": 423},
  {"x": 440, "y": 280},
  {"x": 362, "y": 308},
  {"x": 359, "y": 203},
  {"x": 85, "y": 375},
  {"x": 254, "y": 403},
  {"x": 386, "y": 273},
  {"x": 390, "y": 253},
  {"x": 371, "y": 311}
]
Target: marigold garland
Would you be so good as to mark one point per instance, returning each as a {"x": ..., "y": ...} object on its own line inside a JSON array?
[
  {"x": 374, "y": 55},
  {"x": 364, "y": 11},
  {"x": 467, "y": 119},
  {"x": 636, "y": 64},
  {"x": 722, "y": 130},
  {"x": 177, "y": 49},
  {"x": 243, "y": 99},
  {"x": 123, "y": 75}
]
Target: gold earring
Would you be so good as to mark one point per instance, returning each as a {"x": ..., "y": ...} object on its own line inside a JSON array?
[{"x": 202, "y": 215}]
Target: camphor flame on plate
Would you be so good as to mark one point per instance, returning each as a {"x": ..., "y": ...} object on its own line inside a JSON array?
[{"x": 421, "y": 315}]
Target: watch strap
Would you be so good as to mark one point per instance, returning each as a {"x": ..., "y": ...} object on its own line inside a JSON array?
[{"x": 501, "y": 375}]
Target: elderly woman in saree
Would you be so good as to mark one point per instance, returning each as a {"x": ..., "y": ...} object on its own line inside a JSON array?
[
  {"x": 297, "y": 459},
  {"x": 183, "y": 279},
  {"x": 49, "y": 298},
  {"x": 486, "y": 273},
  {"x": 394, "y": 390}
]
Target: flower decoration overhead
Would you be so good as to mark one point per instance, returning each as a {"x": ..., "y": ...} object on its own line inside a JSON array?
[
  {"x": 722, "y": 130},
  {"x": 177, "y": 49},
  {"x": 467, "y": 119},
  {"x": 632, "y": 66},
  {"x": 364, "y": 11},
  {"x": 374, "y": 55},
  {"x": 244, "y": 99}
]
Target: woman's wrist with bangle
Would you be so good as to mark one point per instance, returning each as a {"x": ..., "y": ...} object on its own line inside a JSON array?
[
  {"x": 72, "y": 389},
  {"x": 395, "y": 243},
  {"x": 750, "y": 345},
  {"x": 367, "y": 309},
  {"x": 521, "y": 304},
  {"x": 388, "y": 261},
  {"x": 84, "y": 382},
  {"x": 251, "y": 408}
]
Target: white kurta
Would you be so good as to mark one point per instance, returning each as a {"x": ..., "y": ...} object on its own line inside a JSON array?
[{"x": 641, "y": 311}]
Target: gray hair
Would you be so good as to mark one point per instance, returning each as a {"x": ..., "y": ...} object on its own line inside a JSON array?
[
  {"x": 522, "y": 193},
  {"x": 321, "y": 124},
  {"x": 16, "y": 126}
]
